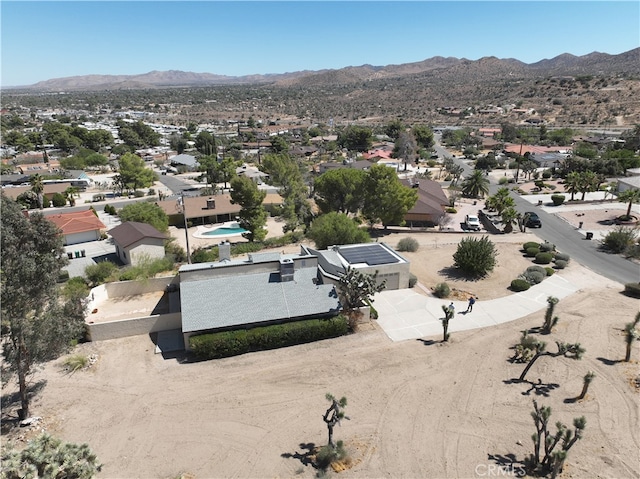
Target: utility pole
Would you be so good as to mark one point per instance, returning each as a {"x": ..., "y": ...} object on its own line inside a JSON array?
[{"x": 182, "y": 208}]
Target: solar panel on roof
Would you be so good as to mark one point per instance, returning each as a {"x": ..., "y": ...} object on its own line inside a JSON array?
[{"x": 371, "y": 254}]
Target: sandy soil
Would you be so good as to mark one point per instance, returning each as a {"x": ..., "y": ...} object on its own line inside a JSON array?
[{"x": 418, "y": 409}]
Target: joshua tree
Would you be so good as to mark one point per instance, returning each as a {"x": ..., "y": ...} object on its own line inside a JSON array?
[
  {"x": 334, "y": 414},
  {"x": 549, "y": 319},
  {"x": 631, "y": 335},
  {"x": 571, "y": 351},
  {"x": 552, "y": 461},
  {"x": 585, "y": 384},
  {"x": 448, "y": 314}
]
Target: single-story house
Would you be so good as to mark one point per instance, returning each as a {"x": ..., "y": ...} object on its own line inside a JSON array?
[
  {"x": 78, "y": 226},
  {"x": 184, "y": 160},
  {"x": 48, "y": 190},
  {"x": 369, "y": 258},
  {"x": 431, "y": 203},
  {"x": 266, "y": 288},
  {"x": 136, "y": 241},
  {"x": 334, "y": 165},
  {"x": 201, "y": 210}
]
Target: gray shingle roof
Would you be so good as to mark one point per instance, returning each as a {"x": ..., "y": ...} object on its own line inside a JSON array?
[{"x": 228, "y": 301}]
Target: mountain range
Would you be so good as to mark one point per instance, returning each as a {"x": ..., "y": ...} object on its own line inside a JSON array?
[{"x": 486, "y": 68}]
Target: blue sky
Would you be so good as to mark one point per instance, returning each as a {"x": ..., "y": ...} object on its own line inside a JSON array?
[{"x": 54, "y": 39}]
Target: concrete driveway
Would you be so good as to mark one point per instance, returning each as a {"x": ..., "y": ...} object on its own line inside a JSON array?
[{"x": 406, "y": 314}]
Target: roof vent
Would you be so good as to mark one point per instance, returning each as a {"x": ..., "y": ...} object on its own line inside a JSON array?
[{"x": 211, "y": 204}]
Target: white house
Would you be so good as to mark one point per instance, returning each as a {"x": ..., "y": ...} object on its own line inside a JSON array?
[{"x": 137, "y": 241}]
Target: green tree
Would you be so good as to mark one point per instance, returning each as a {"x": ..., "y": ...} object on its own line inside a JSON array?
[
  {"x": 134, "y": 172},
  {"x": 145, "y": 212},
  {"x": 206, "y": 144},
  {"x": 423, "y": 135},
  {"x": 386, "y": 199},
  {"x": 572, "y": 183},
  {"x": 476, "y": 185},
  {"x": 209, "y": 165},
  {"x": 340, "y": 190},
  {"x": 630, "y": 196},
  {"x": 336, "y": 229},
  {"x": 279, "y": 145},
  {"x": 501, "y": 200},
  {"x": 394, "y": 128},
  {"x": 476, "y": 257},
  {"x": 37, "y": 186},
  {"x": 49, "y": 458},
  {"x": 405, "y": 148},
  {"x": 253, "y": 216},
  {"x": 588, "y": 183},
  {"x": 37, "y": 325},
  {"x": 509, "y": 216},
  {"x": 357, "y": 138}
]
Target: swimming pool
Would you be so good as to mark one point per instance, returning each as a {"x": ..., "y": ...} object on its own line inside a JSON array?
[{"x": 224, "y": 231}]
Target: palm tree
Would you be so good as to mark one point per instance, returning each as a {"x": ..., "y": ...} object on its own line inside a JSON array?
[
  {"x": 632, "y": 196},
  {"x": 509, "y": 217},
  {"x": 476, "y": 185},
  {"x": 572, "y": 183},
  {"x": 37, "y": 186},
  {"x": 588, "y": 183},
  {"x": 456, "y": 171},
  {"x": 71, "y": 193}
]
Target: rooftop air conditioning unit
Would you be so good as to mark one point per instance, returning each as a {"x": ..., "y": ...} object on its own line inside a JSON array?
[{"x": 286, "y": 270}]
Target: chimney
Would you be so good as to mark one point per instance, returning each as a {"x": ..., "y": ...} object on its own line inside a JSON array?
[
  {"x": 286, "y": 270},
  {"x": 224, "y": 251},
  {"x": 211, "y": 204}
]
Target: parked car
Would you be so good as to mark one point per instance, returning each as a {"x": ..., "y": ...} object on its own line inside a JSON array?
[
  {"x": 472, "y": 222},
  {"x": 532, "y": 220}
]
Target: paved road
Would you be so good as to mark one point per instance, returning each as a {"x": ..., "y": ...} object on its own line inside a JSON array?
[{"x": 566, "y": 238}]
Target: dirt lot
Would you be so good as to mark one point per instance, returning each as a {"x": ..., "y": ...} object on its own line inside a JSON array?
[{"x": 418, "y": 409}]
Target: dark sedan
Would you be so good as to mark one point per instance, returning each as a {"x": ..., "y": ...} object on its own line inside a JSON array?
[{"x": 532, "y": 220}]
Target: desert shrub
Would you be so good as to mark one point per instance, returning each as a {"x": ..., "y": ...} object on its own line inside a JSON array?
[
  {"x": 174, "y": 252},
  {"x": 547, "y": 247},
  {"x": 620, "y": 239},
  {"x": 560, "y": 264},
  {"x": 451, "y": 210},
  {"x": 76, "y": 287},
  {"x": 327, "y": 454},
  {"x": 442, "y": 290},
  {"x": 546, "y": 174},
  {"x": 533, "y": 277},
  {"x": 75, "y": 362},
  {"x": 557, "y": 199},
  {"x": 475, "y": 256},
  {"x": 63, "y": 276},
  {"x": 532, "y": 252},
  {"x": 408, "y": 244},
  {"x": 59, "y": 200},
  {"x": 99, "y": 273},
  {"x": 138, "y": 193},
  {"x": 632, "y": 289},
  {"x": 151, "y": 192},
  {"x": 561, "y": 256},
  {"x": 503, "y": 180},
  {"x": 549, "y": 271},
  {"x": 536, "y": 268},
  {"x": 243, "y": 248},
  {"x": 413, "y": 280},
  {"x": 202, "y": 255},
  {"x": 543, "y": 258},
  {"x": 525, "y": 350},
  {"x": 290, "y": 237},
  {"x": 232, "y": 343},
  {"x": 130, "y": 273},
  {"x": 530, "y": 244},
  {"x": 519, "y": 284}
]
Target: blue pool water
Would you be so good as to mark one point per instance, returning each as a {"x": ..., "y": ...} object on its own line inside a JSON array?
[{"x": 224, "y": 231}]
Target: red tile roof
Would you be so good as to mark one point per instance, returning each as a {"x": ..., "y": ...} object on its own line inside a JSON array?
[{"x": 77, "y": 222}]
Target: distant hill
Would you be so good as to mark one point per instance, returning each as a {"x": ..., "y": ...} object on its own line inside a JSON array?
[{"x": 456, "y": 69}]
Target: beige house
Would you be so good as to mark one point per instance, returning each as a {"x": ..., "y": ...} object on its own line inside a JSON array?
[{"x": 137, "y": 241}]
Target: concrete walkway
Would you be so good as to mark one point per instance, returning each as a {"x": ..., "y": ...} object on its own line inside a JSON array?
[{"x": 405, "y": 314}]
